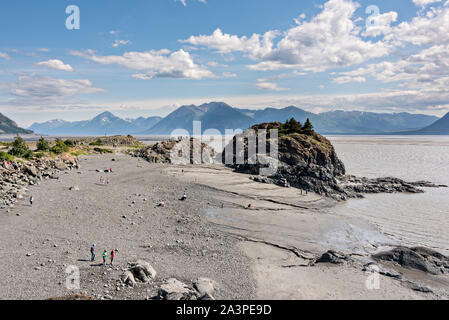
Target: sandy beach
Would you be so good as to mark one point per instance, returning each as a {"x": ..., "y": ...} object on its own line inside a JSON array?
[{"x": 260, "y": 253}]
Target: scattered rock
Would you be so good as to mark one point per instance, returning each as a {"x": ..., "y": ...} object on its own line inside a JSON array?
[
  {"x": 205, "y": 286},
  {"x": 419, "y": 258},
  {"x": 333, "y": 257}
]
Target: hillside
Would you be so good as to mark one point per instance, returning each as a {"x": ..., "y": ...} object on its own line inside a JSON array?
[
  {"x": 439, "y": 127},
  {"x": 7, "y": 126}
]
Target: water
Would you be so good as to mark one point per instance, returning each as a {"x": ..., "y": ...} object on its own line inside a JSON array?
[{"x": 412, "y": 219}]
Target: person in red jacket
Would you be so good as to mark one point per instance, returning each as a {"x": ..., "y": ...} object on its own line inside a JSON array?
[{"x": 113, "y": 256}]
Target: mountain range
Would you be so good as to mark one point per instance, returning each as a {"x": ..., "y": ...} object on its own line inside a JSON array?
[
  {"x": 103, "y": 124},
  {"x": 221, "y": 116},
  {"x": 7, "y": 126}
]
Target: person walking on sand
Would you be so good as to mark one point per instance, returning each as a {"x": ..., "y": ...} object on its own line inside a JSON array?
[
  {"x": 31, "y": 200},
  {"x": 105, "y": 256},
  {"x": 92, "y": 253}
]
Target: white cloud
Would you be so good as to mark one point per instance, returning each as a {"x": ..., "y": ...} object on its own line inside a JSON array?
[
  {"x": 347, "y": 79},
  {"x": 269, "y": 86},
  {"x": 228, "y": 75},
  {"x": 429, "y": 28},
  {"x": 330, "y": 39},
  {"x": 4, "y": 56},
  {"x": 118, "y": 43},
  {"x": 43, "y": 49},
  {"x": 423, "y": 3},
  {"x": 156, "y": 64},
  {"x": 55, "y": 64},
  {"x": 184, "y": 2},
  {"x": 32, "y": 90}
]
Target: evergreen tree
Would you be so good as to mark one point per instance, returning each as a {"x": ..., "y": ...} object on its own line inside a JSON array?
[{"x": 308, "y": 127}]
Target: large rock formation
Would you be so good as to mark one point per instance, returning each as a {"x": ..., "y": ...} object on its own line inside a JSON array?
[
  {"x": 177, "y": 151},
  {"x": 308, "y": 161}
]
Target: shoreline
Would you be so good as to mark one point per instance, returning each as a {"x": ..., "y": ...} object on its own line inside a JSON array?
[{"x": 262, "y": 253}]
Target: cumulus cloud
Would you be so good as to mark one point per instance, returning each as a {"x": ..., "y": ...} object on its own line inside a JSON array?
[
  {"x": 425, "y": 29},
  {"x": 156, "y": 64},
  {"x": 56, "y": 65},
  {"x": 330, "y": 39}
]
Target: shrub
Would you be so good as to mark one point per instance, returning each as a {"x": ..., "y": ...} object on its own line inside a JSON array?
[
  {"x": 69, "y": 143},
  {"x": 96, "y": 143},
  {"x": 59, "y": 147},
  {"x": 43, "y": 145},
  {"x": 103, "y": 150},
  {"x": 19, "y": 148},
  {"x": 4, "y": 156}
]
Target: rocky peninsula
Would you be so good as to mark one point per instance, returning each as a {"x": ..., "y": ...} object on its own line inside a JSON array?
[{"x": 308, "y": 161}]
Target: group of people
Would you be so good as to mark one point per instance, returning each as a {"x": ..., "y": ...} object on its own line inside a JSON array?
[
  {"x": 104, "y": 255},
  {"x": 104, "y": 181},
  {"x": 10, "y": 165}
]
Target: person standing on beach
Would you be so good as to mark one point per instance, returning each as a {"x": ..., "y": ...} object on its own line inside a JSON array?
[
  {"x": 31, "y": 200},
  {"x": 105, "y": 256},
  {"x": 113, "y": 256},
  {"x": 92, "y": 252}
]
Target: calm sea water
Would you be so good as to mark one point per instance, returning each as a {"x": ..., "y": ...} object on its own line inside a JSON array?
[{"x": 412, "y": 219}]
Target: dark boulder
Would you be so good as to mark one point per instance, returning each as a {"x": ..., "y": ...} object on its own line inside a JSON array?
[{"x": 419, "y": 258}]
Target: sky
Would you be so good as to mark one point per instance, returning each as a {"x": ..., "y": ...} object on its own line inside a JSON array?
[{"x": 74, "y": 59}]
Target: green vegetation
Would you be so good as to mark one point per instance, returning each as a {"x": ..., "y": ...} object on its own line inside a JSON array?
[
  {"x": 103, "y": 150},
  {"x": 96, "y": 143},
  {"x": 69, "y": 143},
  {"x": 20, "y": 149},
  {"x": 292, "y": 126},
  {"x": 308, "y": 127},
  {"x": 5, "y": 156},
  {"x": 43, "y": 145},
  {"x": 59, "y": 147}
]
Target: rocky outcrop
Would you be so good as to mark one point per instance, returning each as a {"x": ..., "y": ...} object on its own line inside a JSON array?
[
  {"x": 183, "y": 151},
  {"x": 309, "y": 162},
  {"x": 115, "y": 141},
  {"x": 419, "y": 258},
  {"x": 16, "y": 176},
  {"x": 333, "y": 257},
  {"x": 139, "y": 271}
]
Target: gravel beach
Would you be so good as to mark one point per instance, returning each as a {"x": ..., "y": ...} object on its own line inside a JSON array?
[
  {"x": 266, "y": 252},
  {"x": 38, "y": 243}
]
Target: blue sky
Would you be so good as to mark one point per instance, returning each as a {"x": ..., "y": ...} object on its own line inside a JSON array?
[{"x": 147, "y": 57}]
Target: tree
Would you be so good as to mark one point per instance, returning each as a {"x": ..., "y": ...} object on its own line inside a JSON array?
[
  {"x": 19, "y": 148},
  {"x": 43, "y": 145},
  {"x": 59, "y": 147},
  {"x": 308, "y": 127},
  {"x": 294, "y": 126}
]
